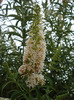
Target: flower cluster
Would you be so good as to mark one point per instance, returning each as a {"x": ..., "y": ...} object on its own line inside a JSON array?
[
  {"x": 35, "y": 79},
  {"x": 1, "y": 98},
  {"x": 34, "y": 55}
]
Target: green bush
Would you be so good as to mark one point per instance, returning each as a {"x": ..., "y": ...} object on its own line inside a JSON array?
[{"x": 58, "y": 64}]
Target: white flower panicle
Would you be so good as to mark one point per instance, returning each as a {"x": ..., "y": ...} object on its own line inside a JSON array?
[
  {"x": 34, "y": 55},
  {"x": 35, "y": 79}
]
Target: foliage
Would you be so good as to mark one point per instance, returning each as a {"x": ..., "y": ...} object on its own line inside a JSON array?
[{"x": 58, "y": 68}]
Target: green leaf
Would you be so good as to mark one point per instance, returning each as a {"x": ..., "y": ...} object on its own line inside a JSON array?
[
  {"x": 5, "y": 85},
  {"x": 16, "y": 17},
  {"x": 13, "y": 33},
  {"x": 6, "y": 9},
  {"x": 13, "y": 27},
  {"x": 38, "y": 94},
  {"x": 47, "y": 97},
  {"x": 62, "y": 96},
  {"x": 15, "y": 95},
  {"x": 49, "y": 80},
  {"x": 18, "y": 94}
]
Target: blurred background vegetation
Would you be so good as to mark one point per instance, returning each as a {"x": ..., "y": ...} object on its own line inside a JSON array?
[{"x": 15, "y": 20}]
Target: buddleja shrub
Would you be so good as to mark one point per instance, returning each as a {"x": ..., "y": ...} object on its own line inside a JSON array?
[{"x": 31, "y": 70}]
